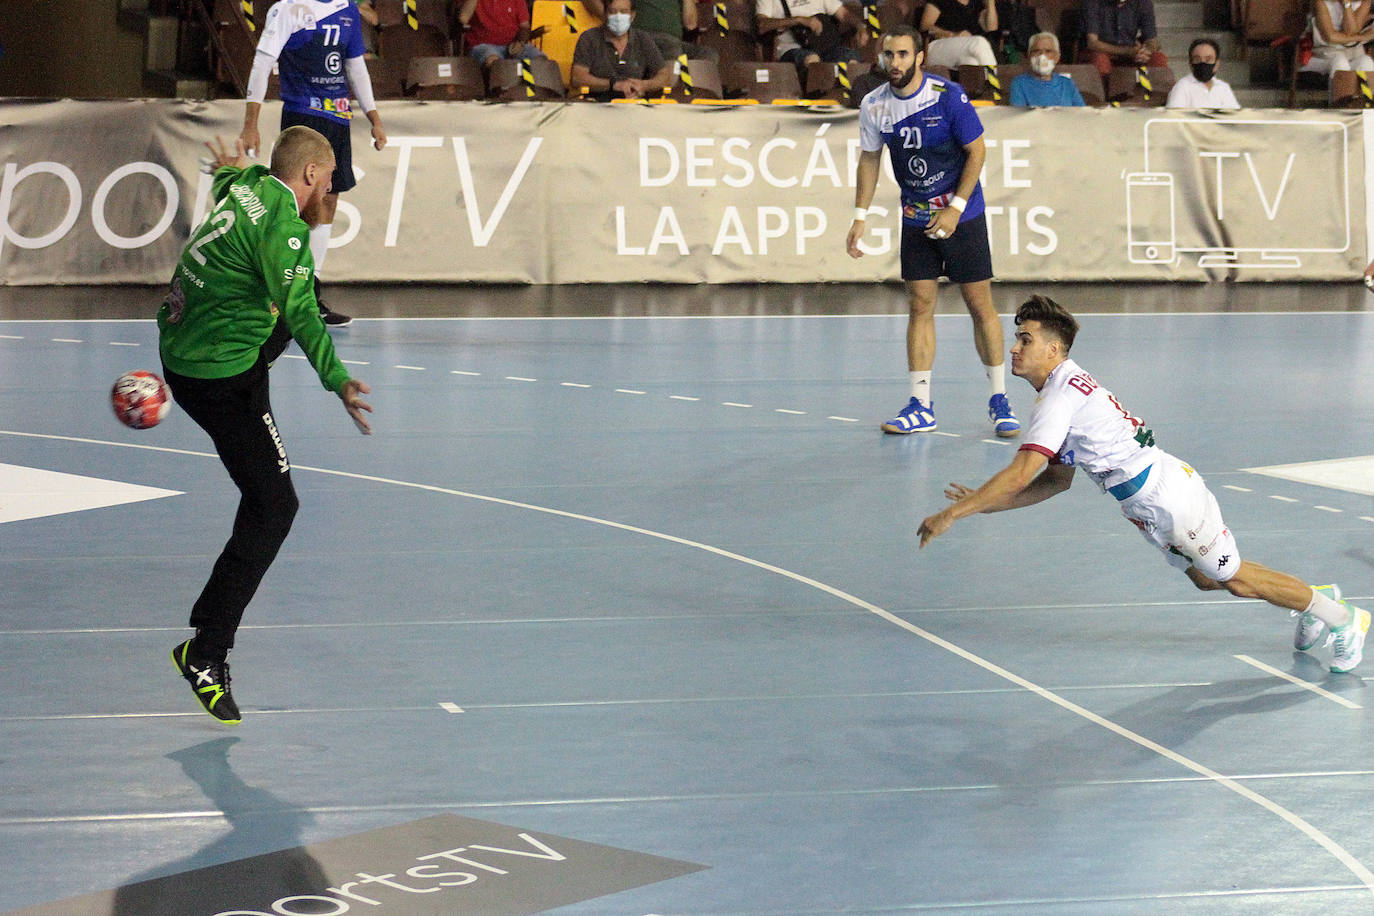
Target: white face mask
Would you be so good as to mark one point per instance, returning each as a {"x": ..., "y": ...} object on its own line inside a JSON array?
[
  {"x": 618, "y": 23},
  {"x": 1041, "y": 65}
]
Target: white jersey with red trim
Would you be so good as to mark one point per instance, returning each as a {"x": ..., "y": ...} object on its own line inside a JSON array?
[{"x": 1079, "y": 423}]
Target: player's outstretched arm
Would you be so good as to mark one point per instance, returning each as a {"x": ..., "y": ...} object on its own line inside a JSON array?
[
  {"x": 1000, "y": 492},
  {"x": 351, "y": 395}
]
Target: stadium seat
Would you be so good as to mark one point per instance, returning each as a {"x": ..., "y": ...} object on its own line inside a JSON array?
[
  {"x": 1005, "y": 74},
  {"x": 445, "y": 78},
  {"x": 729, "y": 27},
  {"x": 436, "y": 14},
  {"x": 558, "y": 39},
  {"x": 1349, "y": 89},
  {"x": 980, "y": 85},
  {"x": 823, "y": 80},
  {"x": 400, "y": 44},
  {"x": 386, "y": 79},
  {"x": 890, "y": 13},
  {"x": 238, "y": 45},
  {"x": 705, "y": 78},
  {"x": 1125, "y": 88},
  {"x": 1088, "y": 81},
  {"x": 760, "y": 80},
  {"x": 505, "y": 82}
]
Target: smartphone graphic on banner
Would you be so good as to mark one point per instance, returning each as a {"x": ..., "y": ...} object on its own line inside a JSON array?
[{"x": 1150, "y": 217}]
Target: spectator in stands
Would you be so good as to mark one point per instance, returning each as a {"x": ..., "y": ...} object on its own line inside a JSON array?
[
  {"x": 1339, "y": 35},
  {"x": 498, "y": 30},
  {"x": 807, "y": 31},
  {"x": 1042, "y": 87},
  {"x": 957, "y": 30},
  {"x": 1201, "y": 88},
  {"x": 665, "y": 21},
  {"x": 617, "y": 61},
  {"x": 369, "y": 14},
  {"x": 1122, "y": 33}
]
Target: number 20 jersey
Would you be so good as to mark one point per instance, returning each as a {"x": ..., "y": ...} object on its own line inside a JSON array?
[
  {"x": 925, "y": 134},
  {"x": 1077, "y": 422}
]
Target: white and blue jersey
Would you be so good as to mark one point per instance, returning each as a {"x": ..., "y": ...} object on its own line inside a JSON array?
[
  {"x": 311, "y": 40},
  {"x": 925, "y": 134}
]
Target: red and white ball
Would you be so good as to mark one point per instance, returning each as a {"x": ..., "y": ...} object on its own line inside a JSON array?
[{"x": 140, "y": 399}]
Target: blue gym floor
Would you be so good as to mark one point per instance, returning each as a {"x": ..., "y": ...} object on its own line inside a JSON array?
[{"x": 653, "y": 582}]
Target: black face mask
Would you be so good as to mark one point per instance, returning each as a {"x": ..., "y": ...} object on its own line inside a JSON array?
[{"x": 1203, "y": 72}]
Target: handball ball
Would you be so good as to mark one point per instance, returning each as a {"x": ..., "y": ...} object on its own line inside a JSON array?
[{"x": 140, "y": 399}]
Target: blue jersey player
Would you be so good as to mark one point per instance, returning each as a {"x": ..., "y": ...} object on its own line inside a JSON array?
[
  {"x": 317, "y": 48},
  {"x": 935, "y": 141}
]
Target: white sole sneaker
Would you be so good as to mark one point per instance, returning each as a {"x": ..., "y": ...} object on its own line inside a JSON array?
[{"x": 1348, "y": 642}]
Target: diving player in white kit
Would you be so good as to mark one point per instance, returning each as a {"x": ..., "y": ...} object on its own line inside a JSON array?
[{"x": 1075, "y": 424}]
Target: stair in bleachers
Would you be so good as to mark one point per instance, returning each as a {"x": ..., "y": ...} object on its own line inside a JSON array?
[{"x": 161, "y": 38}]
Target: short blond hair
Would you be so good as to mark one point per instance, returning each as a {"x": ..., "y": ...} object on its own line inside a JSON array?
[{"x": 297, "y": 147}]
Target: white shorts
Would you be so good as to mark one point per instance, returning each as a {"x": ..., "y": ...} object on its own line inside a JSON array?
[{"x": 1179, "y": 515}]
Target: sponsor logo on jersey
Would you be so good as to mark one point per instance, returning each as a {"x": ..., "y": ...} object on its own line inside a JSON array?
[
  {"x": 294, "y": 243},
  {"x": 333, "y": 62}
]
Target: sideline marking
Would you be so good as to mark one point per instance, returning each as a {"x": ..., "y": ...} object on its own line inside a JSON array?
[
  {"x": 1305, "y": 685},
  {"x": 451, "y": 707},
  {"x": 1355, "y": 866}
]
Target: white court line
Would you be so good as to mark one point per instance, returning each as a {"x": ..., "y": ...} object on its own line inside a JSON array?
[
  {"x": 1231, "y": 486},
  {"x": 1366, "y": 518},
  {"x": 844, "y": 419},
  {"x": 411, "y": 368},
  {"x": 941, "y": 433},
  {"x": 1339, "y": 852},
  {"x": 574, "y": 385},
  {"x": 355, "y": 362},
  {"x": 1328, "y": 509},
  {"x": 462, "y": 372},
  {"x": 629, "y": 391},
  {"x": 11, "y": 337},
  {"x": 120, "y": 343},
  {"x": 67, "y": 340},
  {"x": 997, "y": 442},
  {"x": 734, "y": 404},
  {"x": 795, "y": 413},
  {"x": 520, "y": 378},
  {"x": 451, "y": 707},
  {"x": 1305, "y": 685},
  {"x": 682, "y": 397},
  {"x": 1283, "y": 499}
]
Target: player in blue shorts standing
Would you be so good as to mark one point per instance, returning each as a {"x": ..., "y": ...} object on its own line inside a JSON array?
[
  {"x": 317, "y": 47},
  {"x": 936, "y": 143}
]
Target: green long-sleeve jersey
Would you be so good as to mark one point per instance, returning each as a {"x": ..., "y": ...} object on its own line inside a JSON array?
[{"x": 246, "y": 267}]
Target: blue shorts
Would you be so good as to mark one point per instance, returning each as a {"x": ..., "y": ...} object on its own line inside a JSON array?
[
  {"x": 964, "y": 257},
  {"x": 337, "y": 133}
]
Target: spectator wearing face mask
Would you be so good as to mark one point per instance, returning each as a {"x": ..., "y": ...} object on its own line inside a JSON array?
[
  {"x": 1042, "y": 87},
  {"x": 1201, "y": 88},
  {"x": 617, "y": 61}
]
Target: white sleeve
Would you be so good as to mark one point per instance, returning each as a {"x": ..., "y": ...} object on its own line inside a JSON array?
[
  {"x": 257, "y": 80},
  {"x": 361, "y": 82},
  {"x": 870, "y": 138}
]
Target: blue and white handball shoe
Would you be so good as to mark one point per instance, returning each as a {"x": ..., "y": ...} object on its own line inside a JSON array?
[
  {"x": 915, "y": 417},
  {"x": 1004, "y": 422}
]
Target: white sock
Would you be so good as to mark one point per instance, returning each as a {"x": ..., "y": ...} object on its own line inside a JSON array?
[
  {"x": 1332, "y": 613},
  {"x": 997, "y": 379},
  {"x": 319, "y": 243},
  {"x": 920, "y": 386}
]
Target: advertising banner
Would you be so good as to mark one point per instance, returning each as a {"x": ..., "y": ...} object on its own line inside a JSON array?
[{"x": 107, "y": 191}]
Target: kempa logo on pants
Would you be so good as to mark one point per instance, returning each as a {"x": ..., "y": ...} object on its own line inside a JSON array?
[{"x": 282, "y": 463}]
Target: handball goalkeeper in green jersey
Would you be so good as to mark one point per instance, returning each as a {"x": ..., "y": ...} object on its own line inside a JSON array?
[{"x": 242, "y": 291}]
